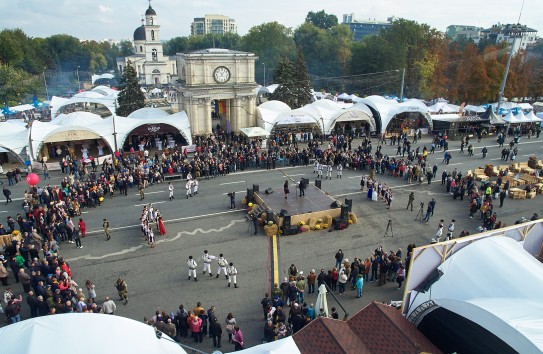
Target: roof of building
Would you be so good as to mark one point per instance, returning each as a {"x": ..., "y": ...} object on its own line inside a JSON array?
[
  {"x": 375, "y": 329},
  {"x": 218, "y": 51},
  {"x": 139, "y": 33},
  {"x": 150, "y": 11}
]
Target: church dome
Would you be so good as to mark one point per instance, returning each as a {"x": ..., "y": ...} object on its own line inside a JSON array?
[
  {"x": 150, "y": 11},
  {"x": 139, "y": 34}
]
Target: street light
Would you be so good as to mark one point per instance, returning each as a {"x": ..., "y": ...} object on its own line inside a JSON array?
[
  {"x": 264, "y": 74},
  {"x": 45, "y": 82},
  {"x": 78, "y": 82}
]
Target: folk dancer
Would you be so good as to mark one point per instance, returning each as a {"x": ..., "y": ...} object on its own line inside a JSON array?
[
  {"x": 319, "y": 170},
  {"x": 188, "y": 187},
  {"x": 170, "y": 189},
  {"x": 191, "y": 263},
  {"x": 329, "y": 170},
  {"x": 339, "y": 170},
  {"x": 232, "y": 274},
  {"x": 222, "y": 262},
  {"x": 207, "y": 262}
]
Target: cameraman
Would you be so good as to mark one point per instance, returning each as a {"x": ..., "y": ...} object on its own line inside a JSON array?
[
  {"x": 411, "y": 200},
  {"x": 232, "y": 196}
]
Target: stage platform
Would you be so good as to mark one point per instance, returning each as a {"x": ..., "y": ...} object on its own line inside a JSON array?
[{"x": 315, "y": 204}]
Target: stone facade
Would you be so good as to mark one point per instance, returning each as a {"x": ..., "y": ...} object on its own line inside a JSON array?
[{"x": 221, "y": 75}]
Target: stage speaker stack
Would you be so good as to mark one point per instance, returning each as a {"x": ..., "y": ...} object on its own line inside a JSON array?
[
  {"x": 256, "y": 188},
  {"x": 269, "y": 216},
  {"x": 283, "y": 212},
  {"x": 349, "y": 204},
  {"x": 293, "y": 230},
  {"x": 250, "y": 196},
  {"x": 268, "y": 191},
  {"x": 286, "y": 221},
  {"x": 334, "y": 205},
  {"x": 339, "y": 223},
  {"x": 345, "y": 212},
  {"x": 318, "y": 183}
]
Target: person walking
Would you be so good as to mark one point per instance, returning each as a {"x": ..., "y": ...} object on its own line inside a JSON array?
[
  {"x": 215, "y": 330},
  {"x": 359, "y": 285},
  {"x": 170, "y": 190},
  {"x": 400, "y": 276},
  {"x": 77, "y": 238},
  {"x": 232, "y": 274},
  {"x": 107, "y": 231},
  {"x": 196, "y": 329},
  {"x": 7, "y": 194},
  {"x": 109, "y": 306},
  {"x": 232, "y": 196},
  {"x": 411, "y": 200},
  {"x": 191, "y": 263},
  {"x": 339, "y": 258},
  {"x": 188, "y": 187},
  {"x": 82, "y": 227},
  {"x": 302, "y": 186},
  {"x": 141, "y": 187},
  {"x": 122, "y": 290}
]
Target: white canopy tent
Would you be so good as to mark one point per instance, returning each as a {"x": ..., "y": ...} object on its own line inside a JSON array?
[
  {"x": 485, "y": 282},
  {"x": 299, "y": 116},
  {"x": 147, "y": 115},
  {"x": 255, "y": 132},
  {"x": 474, "y": 109},
  {"x": 22, "y": 108},
  {"x": 13, "y": 137},
  {"x": 268, "y": 112},
  {"x": 98, "y": 97},
  {"x": 511, "y": 118},
  {"x": 532, "y": 117},
  {"x": 89, "y": 333},
  {"x": 285, "y": 345},
  {"x": 384, "y": 110},
  {"x": 103, "y": 76},
  {"x": 443, "y": 107}
]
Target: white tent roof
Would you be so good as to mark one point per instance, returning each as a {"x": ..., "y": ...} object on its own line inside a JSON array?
[
  {"x": 104, "y": 90},
  {"x": 77, "y": 118},
  {"x": 103, "y": 76},
  {"x": 147, "y": 113},
  {"x": 254, "y": 132},
  {"x": 525, "y": 106},
  {"x": 268, "y": 111},
  {"x": 13, "y": 136},
  {"x": 107, "y": 334},
  {"x": 387, "y": 109},
  {"x": 285, "y": 345},
  {"x": 344, "y": 96},
  {"x": 22, "y": 108},
  {"x": 497, "y": 284},
  {"x": 474, "y": 109},
  {"x": 297, "y": 116},
  {"x": 510, "y": 118},
  {"x": 451, "y": 117},
  {"x": 86, "y": 97},
  {"x": 57, "y": 102},
  {"x": 532, "y": 117},
  {"x": 444, "y": 107},
  {"x": 522, "y": 118}
]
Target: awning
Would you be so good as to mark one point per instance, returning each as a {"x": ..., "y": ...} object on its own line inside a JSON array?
[{"x": 254, "y": 132}]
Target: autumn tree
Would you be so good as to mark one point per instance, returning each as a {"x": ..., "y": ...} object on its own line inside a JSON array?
[{"x": 285, "y": 76}]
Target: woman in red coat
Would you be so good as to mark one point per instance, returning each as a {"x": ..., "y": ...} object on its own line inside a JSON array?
[
  {"x": 82, "y": 227},
  {"x": 161, "y": 228}
]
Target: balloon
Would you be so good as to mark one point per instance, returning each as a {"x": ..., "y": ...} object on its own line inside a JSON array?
[
  {"x": 32, "y": 179},
  {"x": 250, "y": 204}
]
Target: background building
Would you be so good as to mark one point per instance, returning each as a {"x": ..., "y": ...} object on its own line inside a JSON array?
[
  {"x": 362, "y": 29},
  {"x": 148, "y": 59},
  {"x": 525, "y": 36},
  {"x": 462, "y": 32},
  {"x": 213, "y": 24}
]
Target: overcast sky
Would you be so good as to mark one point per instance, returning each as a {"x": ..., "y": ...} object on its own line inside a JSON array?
[{"x": 117, "y": 19}]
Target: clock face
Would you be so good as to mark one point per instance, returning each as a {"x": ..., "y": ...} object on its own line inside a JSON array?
[{"x": 221, "y": 74}]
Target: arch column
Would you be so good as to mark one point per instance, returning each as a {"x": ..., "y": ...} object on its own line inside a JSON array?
[{"x": 207, "y": 119}]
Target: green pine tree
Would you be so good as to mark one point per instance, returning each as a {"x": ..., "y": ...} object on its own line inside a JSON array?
[
  {"x": 303, "y": 82},
  {"x": 285, "y": 75},
  {"x": 130, "y": 97}
]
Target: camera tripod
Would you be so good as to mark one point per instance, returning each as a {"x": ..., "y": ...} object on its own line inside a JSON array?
[
  {"x": 389, "y": 227},
  {"x": 420, "y": 214}
]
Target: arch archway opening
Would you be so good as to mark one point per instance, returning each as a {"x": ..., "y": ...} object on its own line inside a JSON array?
[{"x": 408, "y": 122}]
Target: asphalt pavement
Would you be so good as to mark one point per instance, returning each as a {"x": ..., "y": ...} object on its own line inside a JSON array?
[{"x": 157, "y": 278}]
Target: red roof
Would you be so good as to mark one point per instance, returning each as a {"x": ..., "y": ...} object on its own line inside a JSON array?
[{"x": 376, "y": 329}]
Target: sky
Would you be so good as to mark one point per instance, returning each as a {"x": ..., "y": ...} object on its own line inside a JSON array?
[{"x": 117, "y": 19}]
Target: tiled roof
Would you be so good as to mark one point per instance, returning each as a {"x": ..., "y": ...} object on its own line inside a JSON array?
[
  {"x": 376, "y": 329},
  {"x": 329, "y": 336}
]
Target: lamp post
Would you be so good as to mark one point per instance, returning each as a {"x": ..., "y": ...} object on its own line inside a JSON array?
[
  {"x": 78, "y": 82},
  {"x": 264, "y": 64},
  {"x": 403, "y": 82},
  {"x": 45, "y": 82}
]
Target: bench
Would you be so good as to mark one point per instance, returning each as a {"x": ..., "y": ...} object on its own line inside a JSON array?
[{"x": 173, "y": 176}]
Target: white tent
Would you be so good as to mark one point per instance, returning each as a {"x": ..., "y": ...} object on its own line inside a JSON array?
[
  {"x": 89, "y": 333},
  {"x": 532, "y": 117},
  {"x": 22, "y": 108},
  {"x": 103, "y": 76},
  {"x": 13, "y": 137},
  {"x": 321, "y": 302},
  {"x": 443, "y": 107},
  {"x": 344, "y": 96},
  {"x": 522, "y": 118},
  {"x": 511, "y": 119},
  {"x": 97, "y": 97},
  {"x": 77, "y": 118},
  {"x": 285, "y": 345},
  {"x": 297, "y": 117},
  {"x": 474, "y": 109},
  {"x": 268, "y": 112},
  {"x": 254, "y": 132},
  {"x": 495, "y": 283},
  {"x": 156, "y": 90}
]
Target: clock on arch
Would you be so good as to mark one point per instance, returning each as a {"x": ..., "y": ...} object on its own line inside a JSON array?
[{"x": 221, "y": 74}]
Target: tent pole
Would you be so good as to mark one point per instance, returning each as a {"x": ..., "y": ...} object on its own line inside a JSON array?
[{"x": 346, "y": 314}]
